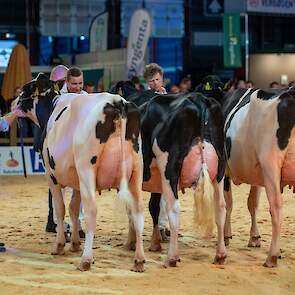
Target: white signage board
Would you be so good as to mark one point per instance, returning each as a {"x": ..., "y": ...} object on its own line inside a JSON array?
[
  {"x": 11, "y": 161},
  {"x": 271, "y": 6}
]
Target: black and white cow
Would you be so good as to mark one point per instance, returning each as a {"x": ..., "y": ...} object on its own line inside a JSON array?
[
  {"x": 260, "y": 150},
  {"x": 91, "y": 142},
  {"x": 182, "y": 138}
]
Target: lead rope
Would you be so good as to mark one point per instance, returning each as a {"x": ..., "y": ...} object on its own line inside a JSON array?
[{"x": 21, "y": 138}]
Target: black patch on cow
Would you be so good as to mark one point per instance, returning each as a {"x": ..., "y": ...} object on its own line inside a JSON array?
[
  {"x": 286, "y": 118},
  {"x": 133, "y": 125},
  {"x": 60, "y": 113},
  {"x": 93, "y": 160},
  {"x": 178, "y": 122},
  {"x": 50, "y": 160},
  {"x": 226, "y": 183},
  {"x": 53, "y": 179},
  {"x": 228, "y": 146},
  {"x": 261, "y": 94},
  {"x": 105, "y": 129}
]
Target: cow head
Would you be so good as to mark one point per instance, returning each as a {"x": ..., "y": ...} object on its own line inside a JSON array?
[
  {"x": 37, "y": 98},
  {"x": 123, "y": 88}
]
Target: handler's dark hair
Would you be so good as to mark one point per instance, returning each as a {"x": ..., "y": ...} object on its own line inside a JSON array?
[{"x": 74, "y": 72}]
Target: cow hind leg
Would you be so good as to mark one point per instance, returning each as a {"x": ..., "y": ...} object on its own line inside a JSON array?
[
  {"x": 87, "y": 190},
  {"x": 173, "y": 210},
  {"x": 253, "y": 201},
  {"x": 273, "y": 192},
  {"x": 74, "y": 214},
  {"x": 229, "y": 205},
  {"x": 59, "y": 207},
  {"x": 220, "y": 216},
  {"x": 154, "y": 208},
  {"x": 136, "y": 218}
]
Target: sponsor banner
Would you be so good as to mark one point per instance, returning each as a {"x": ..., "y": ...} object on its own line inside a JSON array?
[
  {"x": 11, "y": 161},
  {"x": 231, "y": 41},
  {"x": 271, "y": 6},
  {"x": 139, "y": 32},
  {"x": 99, "y": 33}
]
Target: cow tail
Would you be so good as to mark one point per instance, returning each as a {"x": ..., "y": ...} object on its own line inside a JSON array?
[
  {"x": 204, "y": 200},
  {"x": 124, "y": 193}
]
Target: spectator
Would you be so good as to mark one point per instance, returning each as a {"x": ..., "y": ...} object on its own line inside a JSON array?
[
  {"x": 100, "y": 85},
  {"x": 185, "y": 85},
  {"x": 241, "y": 84},
  {"x": 274, "y": 85},
  {"x": 174, "y": 89},
  {"x": 249, "y": 84},
  {"x": 89, "y": 87},
  {"x": 153, "y": 75}
]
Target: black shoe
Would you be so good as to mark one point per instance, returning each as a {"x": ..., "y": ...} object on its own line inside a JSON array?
[
  {"x": 50, "y": 227},
  {"x": 81, "y": 234}
]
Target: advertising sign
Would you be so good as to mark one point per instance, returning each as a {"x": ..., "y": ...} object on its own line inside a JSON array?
[
  {"x": 271, "y": 6},
  {"x": 11, "y": 161},
  {"x": 139, "y": 32},
  {"x": 231, "y": 41}
]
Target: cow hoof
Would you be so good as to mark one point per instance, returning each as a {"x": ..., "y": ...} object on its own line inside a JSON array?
[
  {"x": 131, "y": 246},
  {"x": 138, "y": 266},
  {"x": 219, "y": 259},
  {"x": 255, "y": 242},
  {"x": 85, "y": 265},
  {"x": 59, "y": 250},
  {"x": 75, "y": 247},
  {"x": 171, "y": 262},
  {"x": 226, "y": 240},
  {"x": 271, "y": 261},
  {"x": 154, "y": 247}
]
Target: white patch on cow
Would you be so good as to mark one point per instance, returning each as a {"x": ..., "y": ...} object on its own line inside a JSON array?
[
  {"x": 173, "y": 214},
  {"x": 138, "y": 220},
  {"x": 88, "y": 244},
  {"x": 162, "y": 157}
]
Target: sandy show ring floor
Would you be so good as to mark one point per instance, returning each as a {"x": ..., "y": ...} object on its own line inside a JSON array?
[{"x": 28, "y": 268}]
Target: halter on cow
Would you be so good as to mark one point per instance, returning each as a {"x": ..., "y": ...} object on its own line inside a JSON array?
[{"x": 91, "y": 142}]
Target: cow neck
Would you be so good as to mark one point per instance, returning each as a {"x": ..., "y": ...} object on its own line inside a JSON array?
[{"x": 45, "y": 107}]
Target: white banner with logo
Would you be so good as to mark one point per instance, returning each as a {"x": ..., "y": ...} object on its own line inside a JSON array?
[
  {"x": 99, "y": 33},
  {"x": 139, "y": 33},
  {"x": 11, "y": 161},
  {"x": 271, "y": 6}
]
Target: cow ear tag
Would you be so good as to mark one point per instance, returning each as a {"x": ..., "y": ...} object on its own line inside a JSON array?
[
  {"x": 36, "y": 93},
  {"x": 56, "y": 88},
  {"x": 207, "y": 86},
  {"x": 120, "y": 92}
]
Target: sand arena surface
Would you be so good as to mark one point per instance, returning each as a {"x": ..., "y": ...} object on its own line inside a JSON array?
[{"x": 28, "y": 268}]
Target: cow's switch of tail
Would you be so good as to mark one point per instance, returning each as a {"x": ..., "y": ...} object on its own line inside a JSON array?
[{"x": 204, "y": 202}]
